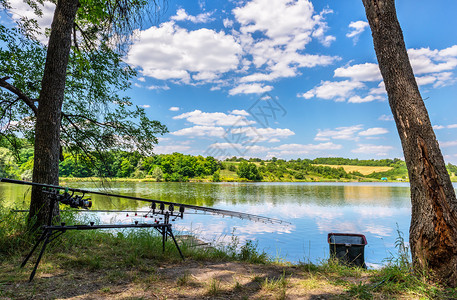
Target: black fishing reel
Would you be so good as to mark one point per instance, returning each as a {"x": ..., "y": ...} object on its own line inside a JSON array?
[{"x": 77, "y": 202}]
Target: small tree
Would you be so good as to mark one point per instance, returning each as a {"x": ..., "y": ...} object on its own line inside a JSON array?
[
  {"x": 248, "y": 171},
  {"x": 157, "y": 174}
]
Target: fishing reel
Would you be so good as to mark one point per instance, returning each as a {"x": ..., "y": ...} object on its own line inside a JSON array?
[{"x": 77, "y": 202}]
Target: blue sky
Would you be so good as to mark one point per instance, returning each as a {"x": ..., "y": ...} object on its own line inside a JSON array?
[{"x": 288, "y": 78}]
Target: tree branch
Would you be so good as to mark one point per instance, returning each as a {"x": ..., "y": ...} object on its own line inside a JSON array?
[{"x": 18, "y": 93}]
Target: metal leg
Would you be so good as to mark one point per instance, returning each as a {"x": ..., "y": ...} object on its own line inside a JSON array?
[
  {"x": 42, "y": 237},
  {"x": 164, "y": 234},
  {"x": 46, "y": 241},
  {"x": 174, "y": 240}
]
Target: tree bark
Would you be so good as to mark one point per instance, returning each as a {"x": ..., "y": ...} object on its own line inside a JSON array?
[
  {"x": 47, "y": 130},
  {"x": 433, "y": 231}
]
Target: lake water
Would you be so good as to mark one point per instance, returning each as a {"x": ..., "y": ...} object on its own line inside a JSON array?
[{"x": 376, "y": 210}]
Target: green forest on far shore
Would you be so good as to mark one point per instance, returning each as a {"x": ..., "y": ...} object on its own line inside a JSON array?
[{"x": 179, "y": 167}]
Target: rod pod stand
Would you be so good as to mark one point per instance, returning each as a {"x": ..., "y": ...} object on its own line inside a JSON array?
[{"x": 51, "y": 232}]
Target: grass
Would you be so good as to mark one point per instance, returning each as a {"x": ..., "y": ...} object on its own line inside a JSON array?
[{"x": 96, "y": 264}]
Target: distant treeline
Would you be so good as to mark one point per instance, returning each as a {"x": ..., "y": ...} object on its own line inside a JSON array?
[{"x": 180, "y": 167}]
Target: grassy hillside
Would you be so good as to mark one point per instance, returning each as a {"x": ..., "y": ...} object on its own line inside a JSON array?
[{"x": 365, "y": 170}]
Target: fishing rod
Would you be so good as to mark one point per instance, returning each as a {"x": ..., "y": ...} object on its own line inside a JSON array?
[
  {"x": 156, "y": 205},
  {"x": 162, "y": 224}
]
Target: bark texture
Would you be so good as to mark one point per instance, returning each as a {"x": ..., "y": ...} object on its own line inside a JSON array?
[
  {"x": 47, "y": 131},
  {"x": 433, "y": 231}
]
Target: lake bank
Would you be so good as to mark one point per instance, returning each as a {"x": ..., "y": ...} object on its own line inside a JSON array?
[
  {"x": 131, "y": 265},
  {"x": 104, "y": 266}
]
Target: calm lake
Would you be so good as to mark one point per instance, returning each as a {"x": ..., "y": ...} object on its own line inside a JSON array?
[{"x": 376, "y": 210}]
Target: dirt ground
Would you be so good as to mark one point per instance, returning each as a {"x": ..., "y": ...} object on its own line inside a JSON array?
[{"x": 184, "y": 280}]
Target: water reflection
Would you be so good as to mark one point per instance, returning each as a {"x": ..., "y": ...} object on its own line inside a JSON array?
[{"x": 314, "y": 209}]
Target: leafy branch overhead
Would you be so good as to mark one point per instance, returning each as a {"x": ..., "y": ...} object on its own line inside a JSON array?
[{"x": 95, "y": 117}]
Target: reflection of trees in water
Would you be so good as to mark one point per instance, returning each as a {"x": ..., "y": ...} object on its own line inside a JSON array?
[
  {"x": 210, "y": 194},
  {"x": 14, "y": 196}
]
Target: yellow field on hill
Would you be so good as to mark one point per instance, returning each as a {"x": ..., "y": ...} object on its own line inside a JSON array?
[{"x": 365, "y": 170}]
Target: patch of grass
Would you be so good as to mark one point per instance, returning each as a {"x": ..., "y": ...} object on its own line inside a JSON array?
[
  {"x": 184, "y": 279},
  {"x": 214, "y": 287},
  {"x": 311, "y": 283},
  {"x": 237, "y": 286},
  {"x": 273, "y": 284}
]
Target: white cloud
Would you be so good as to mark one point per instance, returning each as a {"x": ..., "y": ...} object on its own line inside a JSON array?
[
  {"x": 274, "y": 140},
  {"x": 172, "y": 52},
  {"x": 263, "y": 134},
  {"x": 240, "y": 112},
  {"x": 339, "y": 133},
  {"x": 372, "y": 149},
  {"x": 373, "y": 131},
  {"x": 300, "y": 149},
  {"x": 356, "y": 30},
  {"x": 386, "y": 118},
  {"x": 425, "y": 60},
  {"x": 20, "y": 9},
  {"x": 212, "y": 119},
  {"x": 181, "y": 15},
  {"x": 338, "y": 90},
  {"x": 369, "y": 98},
  {"x": 448, "y": 144},
  {"x": 252, "y": 88},
  {"x": 174, "y": 108},
  {"x": 158, "y": 87},
  {"x": 142, "y": 79},
  {"x": 159, "y": 149},
  {"x": 276, "y": 38},
  {"x": 361, "y": 72},
  {"x": 380, "y": 90},
  {"x": 206, "y": 131},
  {"x": 145, "y": 106},
  {"x": 227, "y": 23},
  {"x": 451, "y": 126}
]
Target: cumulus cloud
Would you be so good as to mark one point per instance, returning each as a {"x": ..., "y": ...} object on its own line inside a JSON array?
[
  {"x": 356, "y": 28},
  {"x": 252, "y": 88},
  {"x": 425, "y": 60},
  {"x": 451, "y": 126},
  {"x": 386, "y": 118},
  {"x": 240, "y": 112},
  {"x": 373, "y": 131},
  {"x": 181, "y": 15},
  {"x": 264, "y": 133},
  {"x": 200, "y": 131},
  {"x": 277, "y": 37},
  {"x": 372, "y": 149},
  {"x": 158, "y": 87},
  {"x": 168, "y": 149},
  {"x": 260, "y": 47},
  {"x": 361, "y": 72},
  {"x": 20, "y": 9},
  {"x": 300, "y": 149},
  {"x": 369, "y": 98},
  {"x": 172, "y": 52},
  {"x": 174, "y": 108},
  {"x": 145, "y": 106},
  {"x": 339, "y": 133},
  {"x": 337, "y": 90},
  {"x": 448, "y": 144},
  {"x": 198, "y": 117}
]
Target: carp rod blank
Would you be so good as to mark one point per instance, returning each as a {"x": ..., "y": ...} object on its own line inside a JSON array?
[{"x": 223, "y": 212}]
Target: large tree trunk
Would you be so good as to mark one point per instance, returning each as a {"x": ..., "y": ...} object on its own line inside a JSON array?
[
  {"x": 47, "y": 131},
  {"x": 433, "y": 232}
]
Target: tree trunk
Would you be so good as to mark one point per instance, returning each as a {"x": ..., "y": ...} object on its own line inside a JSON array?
[
  {"x": 47, "y": 131},
  {"x": 433, "y": 231}
]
